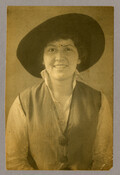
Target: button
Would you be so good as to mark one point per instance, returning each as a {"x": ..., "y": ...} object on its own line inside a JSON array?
[
  {"x": 63, "y": 140},
  {"x": 63, "y": 159}
]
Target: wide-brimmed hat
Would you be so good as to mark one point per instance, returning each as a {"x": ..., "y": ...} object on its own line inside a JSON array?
[{"x": 30, "y": 48}]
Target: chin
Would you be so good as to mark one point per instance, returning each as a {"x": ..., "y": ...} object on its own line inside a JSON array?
[{"x": 60, "y": 78}]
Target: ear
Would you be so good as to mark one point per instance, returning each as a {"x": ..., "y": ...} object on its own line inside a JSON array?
[{"x": 79, "y": 61}]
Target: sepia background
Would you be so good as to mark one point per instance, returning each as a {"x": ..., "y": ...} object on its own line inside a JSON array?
[{"x": 20, "y": 20}]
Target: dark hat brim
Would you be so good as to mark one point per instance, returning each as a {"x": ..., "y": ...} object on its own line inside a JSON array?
[{"x": 30, "y": 48}]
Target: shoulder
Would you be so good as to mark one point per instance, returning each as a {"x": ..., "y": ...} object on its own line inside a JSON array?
[
  {"x": 86, "y": 88},
  {"x": 31, "y": 90},
  {"x": 28, "y": 96},
  {"x": 89, "y": 94}
]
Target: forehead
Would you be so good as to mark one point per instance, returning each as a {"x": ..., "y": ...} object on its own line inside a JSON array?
[{"x": 62, "y": 42}]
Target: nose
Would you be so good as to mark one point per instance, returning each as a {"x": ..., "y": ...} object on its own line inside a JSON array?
[{"x": 59, "y": 56}]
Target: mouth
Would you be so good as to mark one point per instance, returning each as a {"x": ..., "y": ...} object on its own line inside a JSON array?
[{"x": 60, "y": 66}]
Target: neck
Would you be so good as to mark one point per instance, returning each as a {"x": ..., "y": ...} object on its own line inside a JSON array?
[{"x": 62, "y": 88}]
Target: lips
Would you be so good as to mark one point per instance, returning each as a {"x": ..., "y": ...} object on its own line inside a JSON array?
[{"x": 60, "y": 66}]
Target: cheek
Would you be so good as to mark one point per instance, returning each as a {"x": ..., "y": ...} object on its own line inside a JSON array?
[
  {"x": 48, "y": 61},
  {"x": 74, "y": 60}
]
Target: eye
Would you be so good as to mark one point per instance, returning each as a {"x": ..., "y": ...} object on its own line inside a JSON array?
[
  {"x": 51, "y": 50},
  {"x": 68, "y": 49}
]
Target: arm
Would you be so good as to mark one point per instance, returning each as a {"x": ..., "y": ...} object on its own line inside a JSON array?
[
  {"x": 17, "y": 139},
  {"x": 103, "y": 147}
]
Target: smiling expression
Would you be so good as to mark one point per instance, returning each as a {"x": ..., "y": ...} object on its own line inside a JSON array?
[{"x": 61, "y": 59}]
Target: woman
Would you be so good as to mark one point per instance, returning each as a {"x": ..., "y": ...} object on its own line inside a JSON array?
[{"x": 60, "y": 124}]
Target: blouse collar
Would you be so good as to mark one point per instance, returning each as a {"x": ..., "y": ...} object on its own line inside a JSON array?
[{"x": 46, "y": 78}]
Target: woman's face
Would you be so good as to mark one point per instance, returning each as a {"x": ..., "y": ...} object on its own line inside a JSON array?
[{"x": 61, "y": 58}]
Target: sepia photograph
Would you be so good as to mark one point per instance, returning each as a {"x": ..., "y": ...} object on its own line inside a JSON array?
[{"x": 59, "y": 88}]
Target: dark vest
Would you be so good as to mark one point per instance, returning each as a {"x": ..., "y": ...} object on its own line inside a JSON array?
[{"x": 56, "y": 150}]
